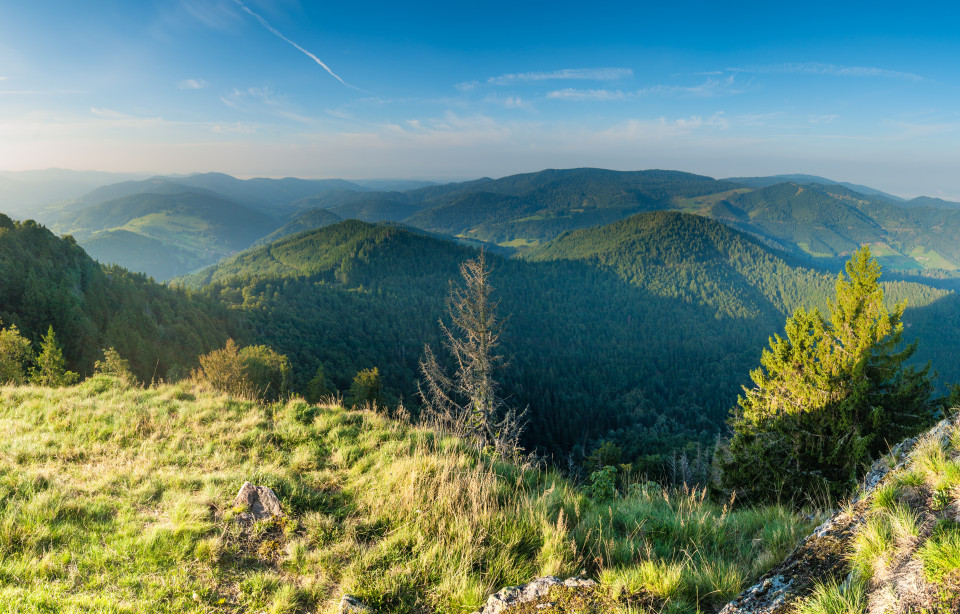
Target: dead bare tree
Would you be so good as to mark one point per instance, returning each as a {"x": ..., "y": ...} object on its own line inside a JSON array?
[{"x": 466, "y": 402}]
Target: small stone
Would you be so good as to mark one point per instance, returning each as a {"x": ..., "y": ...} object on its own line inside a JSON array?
[
  {"x": 351, "y": 605},
  {"x": 260, "y": 502}
]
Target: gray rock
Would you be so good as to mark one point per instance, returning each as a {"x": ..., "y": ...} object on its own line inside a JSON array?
[
  {"x": 515, "y": 595},
  {"x": 822, "y": 555},
  {"x": 260, "y": 503},
  {"x": 579, "y": 582},
  {"x": 351, "y": 605}
]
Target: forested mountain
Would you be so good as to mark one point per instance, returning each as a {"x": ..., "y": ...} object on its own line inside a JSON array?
[
  {"x": 926, "y": 201},
  {"x": 49, "y": 281},
  {"x": 307, "y": 220},
  {"x": 271, "y": 196},
  {"x": 763, "y": 182},
  {"x": 817, "y": 219},
  {"x": 640, "y": 332},
  {"x": 165, "y": 234},
  {"x": 827, "y": 223}
]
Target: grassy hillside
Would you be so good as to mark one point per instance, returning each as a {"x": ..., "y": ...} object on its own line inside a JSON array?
[{"x": 119, "y": 499}]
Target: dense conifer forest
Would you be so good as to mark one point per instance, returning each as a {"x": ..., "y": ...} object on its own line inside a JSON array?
[{"x": 639, "y": 333}]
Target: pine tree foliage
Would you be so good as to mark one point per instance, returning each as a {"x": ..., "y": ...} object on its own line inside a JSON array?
[
  {"x": 51, "y": 367},
  {"x": 468, "y": 402},
  {"x": 827, "y": 397}
]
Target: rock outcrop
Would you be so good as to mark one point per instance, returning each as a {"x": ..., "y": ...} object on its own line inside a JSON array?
[
  {"x": 539, "y": 589},
  {"x": 823, "y": 555},
  {"x": 258, "y": 503}
]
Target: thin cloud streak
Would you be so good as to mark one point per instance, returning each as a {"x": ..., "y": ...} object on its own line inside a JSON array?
[
  {"x": 817, "y": 68},
  {"x": 575, "y": 94},
  {"x": 585, "y": 74},
  {"x": 279, "y": 35},
  {"x": 708, "y": 89}
]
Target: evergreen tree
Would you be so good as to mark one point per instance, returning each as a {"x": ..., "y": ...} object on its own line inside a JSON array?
[
  {"x": 319, "y": 387},
  {"x": 828, "y": 397},
  {"x": 51, "y": 367}
]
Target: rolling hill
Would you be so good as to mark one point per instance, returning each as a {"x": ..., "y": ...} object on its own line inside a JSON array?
[
  {"x": 640, "y": 332},
  {"x": 165, "y": 234}
]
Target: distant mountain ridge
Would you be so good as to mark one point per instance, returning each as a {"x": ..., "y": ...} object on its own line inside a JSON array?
[
  {"x": 763, "y": 182},
  {"x": 811, "y": 217}
]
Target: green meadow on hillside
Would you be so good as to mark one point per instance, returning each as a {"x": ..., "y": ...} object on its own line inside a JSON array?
[{"x": 115, "y": 498}]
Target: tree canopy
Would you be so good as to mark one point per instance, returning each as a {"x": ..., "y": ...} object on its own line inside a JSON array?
[{"x": 828, "y": 397}]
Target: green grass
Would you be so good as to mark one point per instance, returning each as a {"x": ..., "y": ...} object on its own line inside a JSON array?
[
  {"x": 118, "y": 499},
  {"x": 835, "y": 598},
  {"x": 930, "y": 259}
]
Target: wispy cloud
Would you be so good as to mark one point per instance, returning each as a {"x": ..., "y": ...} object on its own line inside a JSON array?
[
  {"x": 835, "y": 70},
  {"x": 192, "y": 84},
  {"x": 575, "y": 94},
  {"x": 280, "y": 35},
  {"x": 708, "y": 89},
  {"x": 585, "y": 74},
  {"x": 511, "y": 102},
  {"x": 235, "y": 128},
  {"x": 564, "y": 74},
  {"x": 662, "y": 127},
  {"x": 261, "y": 100},
  {"x": 126, "y": 120}
]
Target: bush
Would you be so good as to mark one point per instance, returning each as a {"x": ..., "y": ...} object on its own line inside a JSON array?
[
  {"x": 365, "y": 389},
  {"x": 603, "y": 483},
  {"x": 15, "y": 353},
  {"x": 254, "y": 372},
  {"x": 115, "y": 365}
]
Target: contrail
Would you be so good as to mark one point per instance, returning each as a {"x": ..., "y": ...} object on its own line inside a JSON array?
[{"x": 279, "y": 35}]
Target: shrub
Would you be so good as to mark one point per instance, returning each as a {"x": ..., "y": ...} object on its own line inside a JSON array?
[
  {"x": 365, "y": 389},
  {"x": 115, "y": 365},
  {"x": 255, "y": 372},
  {"x": 15, "y": 353},
  {"x": 603, "y": 483}
]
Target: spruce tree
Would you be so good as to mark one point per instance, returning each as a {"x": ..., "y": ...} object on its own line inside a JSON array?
[
  {"x": 828, "y": 397},
  {"x": 51, "y": 369}
]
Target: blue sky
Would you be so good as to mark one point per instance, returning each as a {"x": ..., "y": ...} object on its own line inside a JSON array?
[{"x": 862, "y": 93}]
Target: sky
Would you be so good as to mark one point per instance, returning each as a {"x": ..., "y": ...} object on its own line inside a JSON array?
[{"x": 861, "y": 92}]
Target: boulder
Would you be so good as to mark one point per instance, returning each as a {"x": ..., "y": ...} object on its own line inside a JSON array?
[{"x": 259, "y": 503}]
